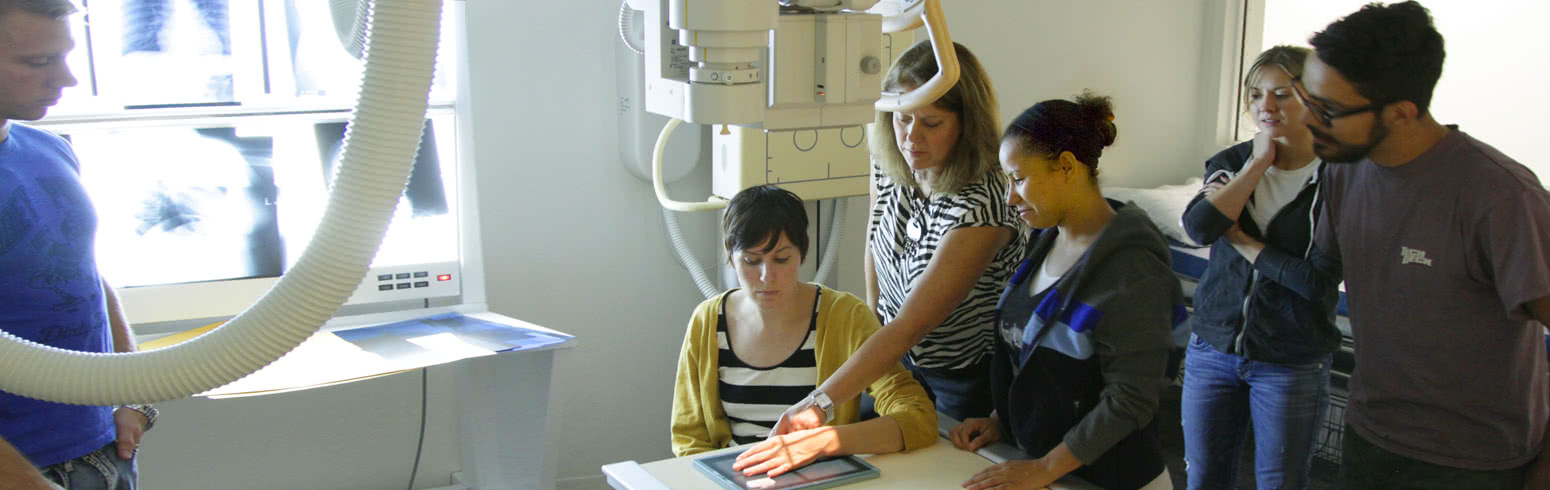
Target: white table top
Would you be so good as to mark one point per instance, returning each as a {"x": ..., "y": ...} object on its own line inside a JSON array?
[{"x": 938, "y": 466}]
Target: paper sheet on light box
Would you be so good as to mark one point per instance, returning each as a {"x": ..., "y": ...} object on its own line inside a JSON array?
[{"x": 329, "y": 358}]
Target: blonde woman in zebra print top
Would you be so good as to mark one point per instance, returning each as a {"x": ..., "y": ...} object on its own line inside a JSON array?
[{"x": 941, "y": 243}]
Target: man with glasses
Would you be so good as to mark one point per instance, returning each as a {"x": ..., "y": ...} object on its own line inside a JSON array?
[{"x": 1445, "y": 243}]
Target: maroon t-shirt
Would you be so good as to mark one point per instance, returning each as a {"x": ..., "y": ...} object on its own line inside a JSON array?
[{"x": 1440, "y": 256}]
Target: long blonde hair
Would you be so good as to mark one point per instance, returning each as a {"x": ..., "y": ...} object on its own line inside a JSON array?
[{"x": 972, "y": 99}]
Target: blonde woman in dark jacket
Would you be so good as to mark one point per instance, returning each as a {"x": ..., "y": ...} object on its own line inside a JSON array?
[{"x": 1264, "y": 323}]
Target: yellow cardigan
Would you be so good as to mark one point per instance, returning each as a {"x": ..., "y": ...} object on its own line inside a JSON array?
[{"x": 844, "y": 322}]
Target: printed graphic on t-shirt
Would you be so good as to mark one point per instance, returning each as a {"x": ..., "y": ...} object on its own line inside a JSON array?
[
  {"x": 17, "y": 217},
  {"x": 1409, "y": 255}
]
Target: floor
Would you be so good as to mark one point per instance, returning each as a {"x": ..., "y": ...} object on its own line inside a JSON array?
[{"x": 1323, "y": 475}]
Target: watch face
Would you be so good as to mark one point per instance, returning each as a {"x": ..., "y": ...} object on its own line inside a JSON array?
[{"x": 823, "y": 402}]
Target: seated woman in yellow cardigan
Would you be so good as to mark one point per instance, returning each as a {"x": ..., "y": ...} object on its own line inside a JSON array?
[{"x": 753, "y": 351}]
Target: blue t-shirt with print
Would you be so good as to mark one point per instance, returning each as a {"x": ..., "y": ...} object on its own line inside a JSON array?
[{"x": 50, "y": 292}]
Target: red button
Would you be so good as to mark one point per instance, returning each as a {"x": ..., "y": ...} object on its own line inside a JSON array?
[{"x": 444, "y": 277}]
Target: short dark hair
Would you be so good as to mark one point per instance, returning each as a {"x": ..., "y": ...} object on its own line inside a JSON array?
[
  {"x": 758, "y": 215},
  {"x": 1389, "y": 52},
  {"x": 54, "y": 9},
  {"x": 1083, "y": 127}
]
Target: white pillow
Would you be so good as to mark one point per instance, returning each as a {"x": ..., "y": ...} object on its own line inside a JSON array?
[{"x": 1165, "y": 204}]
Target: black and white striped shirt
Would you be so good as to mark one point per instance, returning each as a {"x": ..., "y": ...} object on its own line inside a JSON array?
[
  {"x": 754, "y": 397},
  {"x": 906, "y": 228}
]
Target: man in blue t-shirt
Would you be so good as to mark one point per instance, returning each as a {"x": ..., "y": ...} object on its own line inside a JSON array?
[
  {"x": 50, "y": 292},
  {"x": 1445, "y": 243}
]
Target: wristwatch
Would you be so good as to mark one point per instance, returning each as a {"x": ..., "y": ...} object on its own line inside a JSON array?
[
  {"x": 822, "y": 401},
  {"x": 148, "y": 411}
]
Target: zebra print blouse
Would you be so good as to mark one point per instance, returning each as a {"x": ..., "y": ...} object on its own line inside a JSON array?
[{"x": 906, "y": 228}]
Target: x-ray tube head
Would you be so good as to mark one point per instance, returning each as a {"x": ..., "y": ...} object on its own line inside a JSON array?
[
  {"x": 828, "y": 5},
  {"x": 703, "y": 59}
]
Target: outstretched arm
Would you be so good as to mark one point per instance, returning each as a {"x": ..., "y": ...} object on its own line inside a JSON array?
[
  {"x": 960, "y": 260},
  {"x": 786, "y": 452},
  {"x": 1132, "y": 342},
  {"x": 907, "y": 419},
  {"x": 1037, "y": 473}
]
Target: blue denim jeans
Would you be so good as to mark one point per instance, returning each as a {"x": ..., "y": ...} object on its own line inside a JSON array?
[
  {"x": 1224, "y": 393},
  {"x": 958, "y": 393},
  {"x": 98, "y": 470}
]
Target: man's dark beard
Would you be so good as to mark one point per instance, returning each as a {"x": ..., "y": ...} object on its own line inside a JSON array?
[{"x": 1343, "y": 153}]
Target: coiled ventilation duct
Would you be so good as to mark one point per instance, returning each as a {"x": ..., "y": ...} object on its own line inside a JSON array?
[
  {"x": 383, "y": 137},
  {"x": 350, "y": 23}
]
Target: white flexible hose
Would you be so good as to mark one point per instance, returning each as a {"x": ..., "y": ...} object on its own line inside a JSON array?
[
  {"x": 831, "y": 251},
  {"x": 711, "y": 204},
  {"x": 626, "y": 21},
  {"x": 908, "y": 17},
  {"x": 685, "y": 255},
  {"x": 380, "y": 147},
  {"x": 946, "y": 62},
  {"x": 350, "y": 18}
]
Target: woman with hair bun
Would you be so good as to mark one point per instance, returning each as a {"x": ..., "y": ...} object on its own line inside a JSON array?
[{"x": 1084, "y": 327}]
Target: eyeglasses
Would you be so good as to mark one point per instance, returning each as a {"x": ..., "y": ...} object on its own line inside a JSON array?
[{"x": 1322, "y": 113}]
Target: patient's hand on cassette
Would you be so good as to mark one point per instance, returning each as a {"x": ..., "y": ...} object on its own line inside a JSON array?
[{"x": 787, "y": 452}]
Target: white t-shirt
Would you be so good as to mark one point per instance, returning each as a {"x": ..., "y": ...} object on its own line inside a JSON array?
[
  {"x": 1277, "y": 188},
  {"x": 1044, "y": 279}
]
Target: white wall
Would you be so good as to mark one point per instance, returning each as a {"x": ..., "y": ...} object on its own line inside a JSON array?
[
  {"x": 1157, "y": 60},
  {"x": 572, "y": 241},
  {"x": 575, "y": 243},
  {"x": 356, "y": 435}
]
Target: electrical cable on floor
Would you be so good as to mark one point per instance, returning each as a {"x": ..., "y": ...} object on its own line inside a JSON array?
[{"x": 419, "y": 446}]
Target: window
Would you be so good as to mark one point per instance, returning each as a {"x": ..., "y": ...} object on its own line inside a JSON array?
[
  {"x": 208, "y": 131},
  {"x": 137, "y": 58},
  {"x": 1491, "y": 76}
]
